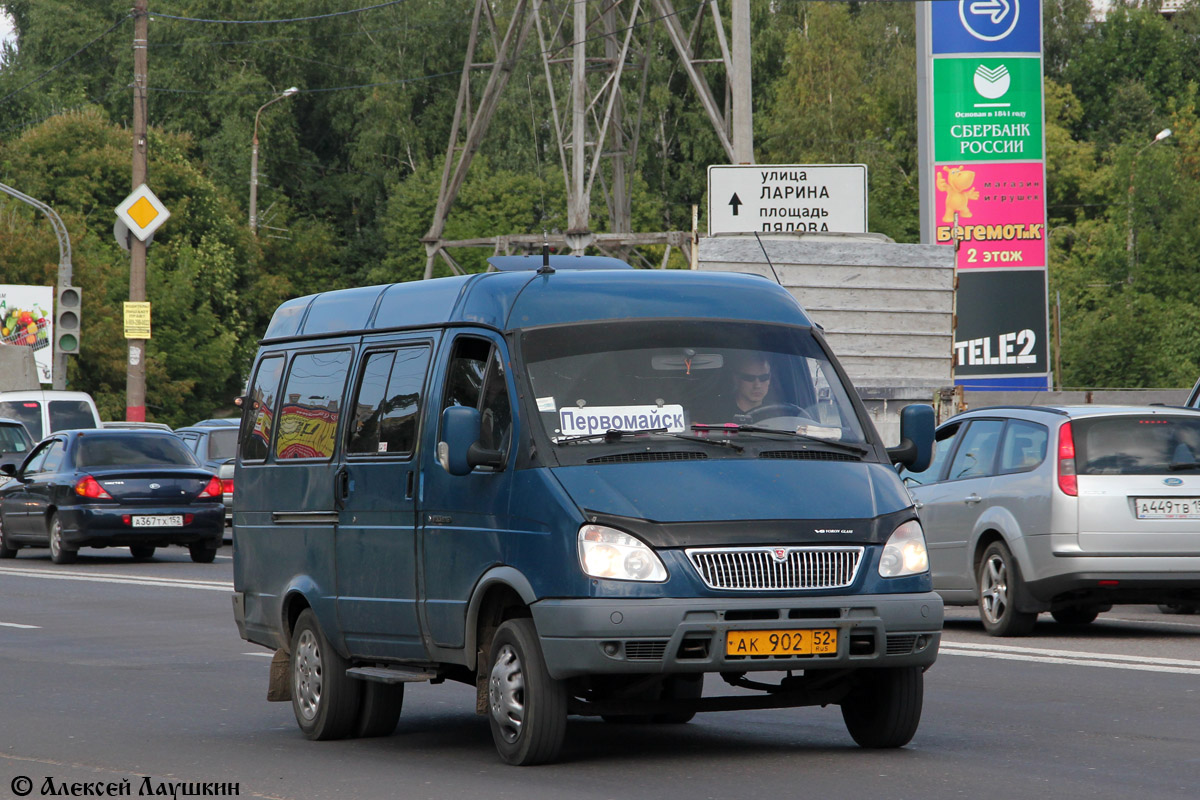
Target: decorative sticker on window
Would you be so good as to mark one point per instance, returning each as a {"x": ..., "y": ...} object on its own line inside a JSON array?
[{"x": 599, "y": 419}]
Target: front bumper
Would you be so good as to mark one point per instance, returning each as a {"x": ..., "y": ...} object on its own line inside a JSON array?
[{"x": 672, "y": 635}]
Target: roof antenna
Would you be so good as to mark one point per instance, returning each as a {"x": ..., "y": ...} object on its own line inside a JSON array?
[
  {"x": 768, "y": 258},
  {"x": 545, "y": 269}
]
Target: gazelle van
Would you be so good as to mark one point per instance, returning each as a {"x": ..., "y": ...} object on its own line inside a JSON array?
[{"x": 537, "y": 482}]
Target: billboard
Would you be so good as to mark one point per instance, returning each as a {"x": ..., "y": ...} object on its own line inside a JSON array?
[{"x": 27, "y": 320}]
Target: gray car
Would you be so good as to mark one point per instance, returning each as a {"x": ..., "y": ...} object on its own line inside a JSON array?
[{"x": 1065, "y": 509}]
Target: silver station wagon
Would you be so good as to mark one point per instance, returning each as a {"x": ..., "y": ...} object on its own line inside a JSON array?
[{"x": 1066, "y": 509}]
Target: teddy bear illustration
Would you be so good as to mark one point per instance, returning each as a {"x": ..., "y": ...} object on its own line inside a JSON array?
[{"x": 956, "y": 183}]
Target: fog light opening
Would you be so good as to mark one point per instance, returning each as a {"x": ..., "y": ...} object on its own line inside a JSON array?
[{"x": 611, "y": 649}]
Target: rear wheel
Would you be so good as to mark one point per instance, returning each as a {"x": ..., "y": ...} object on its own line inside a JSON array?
[
  {"x": 381, "y": 706},
  {"x": 59, "y": 552},
  {"x": 1000, "y": 590},
  {"x": 527, "y": 708},
  {"x": 142, "y": 552},
  {"x": 885, "y": 709},
  {"x": 7, "y": 548},
  {"x": 1166, "y": 608},
  {"x": 1075, "y": 615},
  {"x": 325, "y": 700},
  {"x": 203, "y": 553}
]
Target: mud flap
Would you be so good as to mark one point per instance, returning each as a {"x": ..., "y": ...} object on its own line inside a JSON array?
[{"x": 279, "y": 689}]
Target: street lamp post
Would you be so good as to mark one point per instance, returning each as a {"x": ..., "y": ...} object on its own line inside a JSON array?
[
  {"x": 1129, "y": 240},
  {"x": 254, "y": 159}
]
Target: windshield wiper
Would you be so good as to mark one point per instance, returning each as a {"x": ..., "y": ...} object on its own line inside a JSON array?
[
  {"x": 610, "y": 435},
  {"x": 861, "y": 450},
  {"x": 1178, "y": 466},
  {"x": 613, "y": 435}
]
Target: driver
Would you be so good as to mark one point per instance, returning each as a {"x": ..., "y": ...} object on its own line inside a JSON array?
[{"x": 751, "y": 383}]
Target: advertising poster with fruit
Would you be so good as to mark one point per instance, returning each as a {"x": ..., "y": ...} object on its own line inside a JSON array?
[{"x": 27, "y": 320}]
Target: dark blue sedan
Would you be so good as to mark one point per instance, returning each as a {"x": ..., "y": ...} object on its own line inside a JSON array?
[{"x": 139, "y": 489}]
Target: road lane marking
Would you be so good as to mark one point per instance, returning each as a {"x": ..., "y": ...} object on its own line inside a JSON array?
[
  {"x": 1043, "y": 655},
  {"x": 18, "y": 625},
  {"x": 98, "y": 577}
]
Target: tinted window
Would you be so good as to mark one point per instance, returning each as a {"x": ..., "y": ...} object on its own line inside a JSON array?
[
  {"x": 134, "y": 449},
  {"x": 27, "y": 412},
  {"x": 68, "y": 414},
  {"x": 389, "y": 394},
  {"x": 260, "y": 409},
  {"x": 309, "y": 415},
  {"x": 942, "y": 445},
  {"x": 13, "y": 439},
  {"x": 977, "y": 453},
  {"x": 54, "y": 457},
  {"x": 222, "y": 444},
  {"x": 1151, "y": 445},
  {"x": 1024, "y": 446}
]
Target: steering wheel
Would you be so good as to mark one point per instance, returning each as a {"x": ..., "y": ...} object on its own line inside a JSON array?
[{"x": 775, "y": 410}]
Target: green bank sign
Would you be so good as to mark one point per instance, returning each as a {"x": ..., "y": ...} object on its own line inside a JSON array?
[{"x": 987, "y": 109}]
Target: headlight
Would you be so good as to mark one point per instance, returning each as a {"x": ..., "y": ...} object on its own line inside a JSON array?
[
  {"x": 904, "y": 553},
  {"x": 608, "y": 553}
]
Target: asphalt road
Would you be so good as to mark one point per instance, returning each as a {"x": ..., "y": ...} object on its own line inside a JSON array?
[{"x": 132, "y": 676}]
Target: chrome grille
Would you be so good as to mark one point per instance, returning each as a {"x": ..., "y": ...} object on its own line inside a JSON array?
[{"x": 758, "y": 568}]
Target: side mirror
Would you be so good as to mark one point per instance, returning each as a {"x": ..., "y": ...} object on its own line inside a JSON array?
[
  {"x": 459, "y": 451},
  {"x": 8, "y": 469},
  {"x": 916, "y": 438}
]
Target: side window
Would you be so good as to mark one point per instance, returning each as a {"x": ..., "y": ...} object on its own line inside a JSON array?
[
  {"x": 308, "y": 418},
  {"x": 54, "y": 457},
  {"x": 976, "y": 455},
  {"x": 495, "y": 413},
  {"x": 943, "y": 444},
  {"x": 1024, "y": 446},
  {"x": 37, "y": 458},
  {"x": 389, "y": 395},
  {"x": 259, "y": 410},
  {"x": 464, "y": 379},
  {"x": 476, "y": 378}
]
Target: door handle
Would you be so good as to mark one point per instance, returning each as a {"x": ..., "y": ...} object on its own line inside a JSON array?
[
  {"x": 972, "y": 499},
  {"x": 341, "y": 488},
  {"x": 918, "y": 505}
]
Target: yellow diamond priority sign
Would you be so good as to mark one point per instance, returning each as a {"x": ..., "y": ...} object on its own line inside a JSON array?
[{"x": 142, "y": 212}]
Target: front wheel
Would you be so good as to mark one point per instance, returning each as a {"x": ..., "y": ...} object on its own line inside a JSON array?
[
  {"x": 1000, "y": 590},
  {"x": 59, "y": 552},
  {"x": 325, "y": 700},
  {"x": 1166, "y": 608},
  {"x": 527, "y": 708},
  {"x": 884, "y": 710}
]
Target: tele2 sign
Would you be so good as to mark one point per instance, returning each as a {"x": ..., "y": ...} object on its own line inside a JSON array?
[{"x": 787, "y": 198}]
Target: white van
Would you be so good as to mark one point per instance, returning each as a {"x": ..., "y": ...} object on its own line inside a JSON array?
[{"x": 44, "y": 411}]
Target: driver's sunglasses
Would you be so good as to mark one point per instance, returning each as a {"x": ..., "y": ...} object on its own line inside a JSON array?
[{"x": 750, "y": 377}]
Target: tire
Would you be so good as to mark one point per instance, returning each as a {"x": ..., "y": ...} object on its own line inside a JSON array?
[
  {"x": 325, "y": 700},
  {"x": 680, "y": 687},
  {"x": 1075, "y": 615},
  {"x": 380, "y": 711},
  {"x": 59, "y": 552},
  {"x": 1000, "y": 590},
  {"x": 885, "y": 709},
  {"x": 142, "y": 552},
  {"x": 1166, "y": 608},
  {"x": 203, "y": 553},
  {"x": 7, "y": 548},
  {"x": 526, "y": 707}
]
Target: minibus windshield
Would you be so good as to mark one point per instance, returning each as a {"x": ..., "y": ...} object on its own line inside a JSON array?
[{"x": 716, "y": 378}]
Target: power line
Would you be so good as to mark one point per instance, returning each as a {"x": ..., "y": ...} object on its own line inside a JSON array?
[
  {"x": 116, "y": 25},
  {"x": 276, "y": 21}
]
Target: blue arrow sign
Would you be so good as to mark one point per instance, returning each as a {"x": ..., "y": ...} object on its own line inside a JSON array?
[{"x": 987, "y": 26}]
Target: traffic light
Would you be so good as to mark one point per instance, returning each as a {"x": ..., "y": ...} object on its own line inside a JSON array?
[{"x": 66, "y": 320}]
